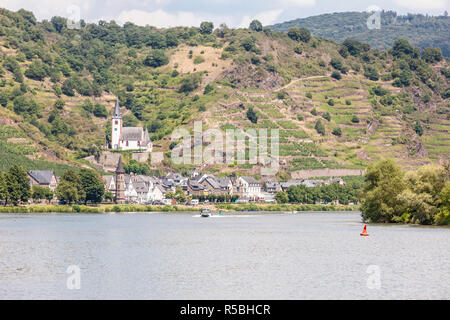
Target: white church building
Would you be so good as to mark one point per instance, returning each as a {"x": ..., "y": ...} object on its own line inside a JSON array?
[{"x": 128, "y": 138}]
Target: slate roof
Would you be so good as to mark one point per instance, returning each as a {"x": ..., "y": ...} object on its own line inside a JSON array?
[
  {"x": 132, "y": 134},
  {"x": 117, "y": 113},
  {"x": 250, "y": 180},
  {"x": 42, "y": 176}
]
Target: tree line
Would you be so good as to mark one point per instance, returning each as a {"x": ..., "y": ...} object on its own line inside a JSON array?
[
  {"x": 323, "y": 193},
  {"x": 393, "y": 195},
  {"x": 85, "y": 186}
]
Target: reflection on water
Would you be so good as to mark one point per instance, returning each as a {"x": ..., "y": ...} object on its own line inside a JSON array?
[{"x": 239, "y": 256}]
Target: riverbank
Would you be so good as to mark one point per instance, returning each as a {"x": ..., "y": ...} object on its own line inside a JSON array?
[{"x": 174, "y": 208}]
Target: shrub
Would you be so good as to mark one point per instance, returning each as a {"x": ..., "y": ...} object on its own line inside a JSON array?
[
  {"x": 251, "y": 115},
  {"x": 314, "y": 112},
  {"x": 355, "y": 119},
  {"x": 309, "y": 95},
  {"x": 299, "y": 34},
  {"x": 336, "y": 75},
  {"x": 337, "y": 132},
  {"x": 320, "y": 128},
  {"x": 300, "y": 117},
  {"x": 327, "y": 116},
  {"x": 255, "y": 25},
  {"x": 298, "y": 49},
  {"x": 330, "y": 102},
  {"x": 156, "y": 58}
]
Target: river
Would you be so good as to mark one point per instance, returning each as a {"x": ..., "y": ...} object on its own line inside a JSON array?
[{"x": 310, "y": 255}]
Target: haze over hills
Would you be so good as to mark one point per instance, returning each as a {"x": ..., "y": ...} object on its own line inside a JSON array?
[
  {"x": 336, "y": 106},
  {"x": 420, "y": 30}
]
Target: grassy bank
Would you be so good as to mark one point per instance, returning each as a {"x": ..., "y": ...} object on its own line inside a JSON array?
[{"x": 177, "y": 208}]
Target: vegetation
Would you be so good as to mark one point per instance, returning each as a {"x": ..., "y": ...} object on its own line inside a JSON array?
[
  {"x": 421, "y": 30},
  {"x": 392, "y": 195}
]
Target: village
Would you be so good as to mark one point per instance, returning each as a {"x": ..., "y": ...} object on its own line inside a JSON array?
[{"x": 197, "y": 187}]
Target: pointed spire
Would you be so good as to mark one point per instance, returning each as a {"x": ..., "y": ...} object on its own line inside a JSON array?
[
  {"x": 117, "y": 113},
  {"x": 120, "y": 168}
]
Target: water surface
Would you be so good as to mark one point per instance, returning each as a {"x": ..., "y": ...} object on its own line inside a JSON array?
[{"x": 239, "y": 256}]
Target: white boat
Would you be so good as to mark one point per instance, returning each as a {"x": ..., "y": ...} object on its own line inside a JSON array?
[{"x": 205, "y": 213}]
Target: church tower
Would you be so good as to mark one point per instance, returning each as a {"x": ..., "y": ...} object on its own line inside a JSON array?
[
  {"x": 116, "y": 127},
  {"x": 120, "y": 183}
]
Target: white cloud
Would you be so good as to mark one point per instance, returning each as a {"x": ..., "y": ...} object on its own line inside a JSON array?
[
  {"x": 266, "y": 18},
  {"x": 160, "y": 18},
  {"x": 298, "y": 3},
  {"x": 45, "y": 9},
  {"x": 422, "y": 4}
]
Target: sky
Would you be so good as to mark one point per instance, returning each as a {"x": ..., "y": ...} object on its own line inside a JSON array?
[{"x": 235, "y": 13}]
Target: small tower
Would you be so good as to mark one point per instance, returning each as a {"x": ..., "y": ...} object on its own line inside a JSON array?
[
  {"x": 120, "y": 183},
  {"x": 116, "y": 127}
]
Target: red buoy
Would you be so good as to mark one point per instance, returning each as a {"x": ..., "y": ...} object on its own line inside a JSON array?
[{"x": 364, "y": 233}]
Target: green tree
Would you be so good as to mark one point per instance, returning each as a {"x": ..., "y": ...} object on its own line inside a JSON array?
[
  {"x": 432, "y": 55},
  {"x": 36, "y": 71},
  {"x": 18, "y": 184},
  {"x": 180, "y": 196},
  {"x": 256, "y": 25},
  {"x": 320, "y": 128},
  {"x": 156, "y": 58},
  {"x": 251, "y": 115},
  {"x": 3, "y": 188},
  {"x": 41, "y": 193},
  {"x": 190, "y": 82},
  {"x": 206, "y": 27},
  {"x": 69, "y": 188},
  {"x": 299, "y": 34},
  {"x": 384, "y": 182},
  {"x": 281, "y": 197},
  {"x": 92, "y": 186}
]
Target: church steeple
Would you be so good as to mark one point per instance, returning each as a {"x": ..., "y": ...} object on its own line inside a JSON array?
[
  {"x": 117, "y": 114},
  {"x": 116, "y": 126}
]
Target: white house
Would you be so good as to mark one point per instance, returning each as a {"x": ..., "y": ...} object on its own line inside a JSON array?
[
  {"x": 249, "y": 188},
  {"x": 128, "y": 138}
]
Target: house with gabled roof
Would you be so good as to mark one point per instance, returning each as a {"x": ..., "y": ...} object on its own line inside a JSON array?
[{"x": 43, "y": 178}]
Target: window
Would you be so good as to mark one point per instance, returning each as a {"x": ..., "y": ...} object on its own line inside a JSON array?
[
  {"x": 116, "y": 122},
  {"x": 127, "y": 143}
]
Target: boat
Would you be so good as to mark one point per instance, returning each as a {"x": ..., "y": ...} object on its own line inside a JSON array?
[{"x": 205, "y": 213}]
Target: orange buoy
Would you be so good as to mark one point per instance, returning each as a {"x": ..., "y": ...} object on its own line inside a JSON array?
[{"x": 364, "y": 233}]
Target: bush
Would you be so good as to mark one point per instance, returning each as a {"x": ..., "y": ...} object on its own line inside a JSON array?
[
  {"x": 255, "y": 25},
  {"x": 156, "y": 58},
  {"x": 309, "y": 95},
  {"x": 314, "y": 112},
  {"x": 299, "y": 34},
  {"x": 337, "y": 132},
  {"x": 432, "y": 55},
  {"x": 206, "y": 27},
  {"x": 330, "y": 102},
  {"x": 320, "y": 128},
  {"x": 355, "y": 119},
  {"x": 371, "y": 73},
  {"x": 327, "y": 116},
  {"x": 336, "y": 75},
  {"x": 298, "y": 49},
  {"x": 190, "y": 83},
  {"x": 300, "y": 117},
  {"x": 251, "y": 115}
]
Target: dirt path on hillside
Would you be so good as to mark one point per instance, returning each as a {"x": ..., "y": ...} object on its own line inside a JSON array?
[
  {"x": 305, "y": 174},
  {"x": 300, "y": 79}
]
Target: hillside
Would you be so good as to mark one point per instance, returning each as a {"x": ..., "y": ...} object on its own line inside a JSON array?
[
  {"x": 420, "y": 30},
  {"x": 337, "y": 106}
]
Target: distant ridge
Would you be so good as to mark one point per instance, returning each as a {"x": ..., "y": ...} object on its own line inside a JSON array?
[{"x": 421, "y": 30}]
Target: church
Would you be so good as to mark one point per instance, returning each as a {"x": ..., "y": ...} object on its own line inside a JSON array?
[{"x": 128, "y": 138}]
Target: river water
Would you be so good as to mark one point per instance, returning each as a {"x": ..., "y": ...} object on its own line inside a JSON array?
[{"x": 310, "y": 255}]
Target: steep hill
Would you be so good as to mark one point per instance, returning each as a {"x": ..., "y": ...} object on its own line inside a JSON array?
[
  {"x": 421, "y": 30},
  {"x": 337, "y": 106}
]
